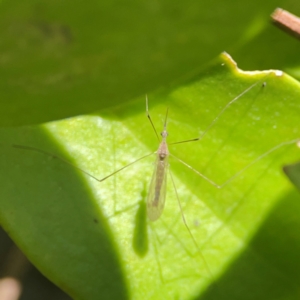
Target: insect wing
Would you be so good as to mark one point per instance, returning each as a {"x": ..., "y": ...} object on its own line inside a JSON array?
[{"x": 157, "y": 190}]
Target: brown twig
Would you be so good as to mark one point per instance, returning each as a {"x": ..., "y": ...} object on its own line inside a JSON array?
[{"x": 287, "y": 22}]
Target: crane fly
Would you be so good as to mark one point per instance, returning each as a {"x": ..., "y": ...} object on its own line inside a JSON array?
[{"x": 158, "y": 184}]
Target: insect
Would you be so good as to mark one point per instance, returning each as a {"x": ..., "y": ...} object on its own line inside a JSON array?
[{"x": 157, "y": 188}]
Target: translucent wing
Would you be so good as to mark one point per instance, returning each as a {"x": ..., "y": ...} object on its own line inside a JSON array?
[{"x": 157, "y": 190}]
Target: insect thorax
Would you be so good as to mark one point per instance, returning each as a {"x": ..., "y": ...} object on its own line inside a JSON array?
[{"x": 163, "y": 151}]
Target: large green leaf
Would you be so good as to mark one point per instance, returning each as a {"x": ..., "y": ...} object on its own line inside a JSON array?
[
  {"x": 93, "y": 239},
  {"x": 64, "y": 58}
]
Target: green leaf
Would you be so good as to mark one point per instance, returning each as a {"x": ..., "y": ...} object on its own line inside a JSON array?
[{"x": 91, "y": 238}]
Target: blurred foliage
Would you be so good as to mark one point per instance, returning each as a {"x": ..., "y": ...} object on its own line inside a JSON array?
[{"x": 60, "y": 59}]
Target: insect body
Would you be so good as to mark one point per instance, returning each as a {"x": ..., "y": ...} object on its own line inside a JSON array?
[{"x": 157, "y": 190}]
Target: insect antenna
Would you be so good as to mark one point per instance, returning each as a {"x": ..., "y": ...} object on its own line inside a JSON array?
[
  {"x": 149, "y": 118},
  {"x": 166, "y": 117}
]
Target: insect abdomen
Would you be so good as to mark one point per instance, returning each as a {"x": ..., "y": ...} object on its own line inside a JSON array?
[{"x": 160, "y": 173}]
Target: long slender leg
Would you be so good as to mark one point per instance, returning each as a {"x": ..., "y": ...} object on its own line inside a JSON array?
[
  {"x": 219, "y": 186},
  {"x": 189, "y": 231},
  {"x": 219, "y": 115},
  {"x": 69, "y": 163}
]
